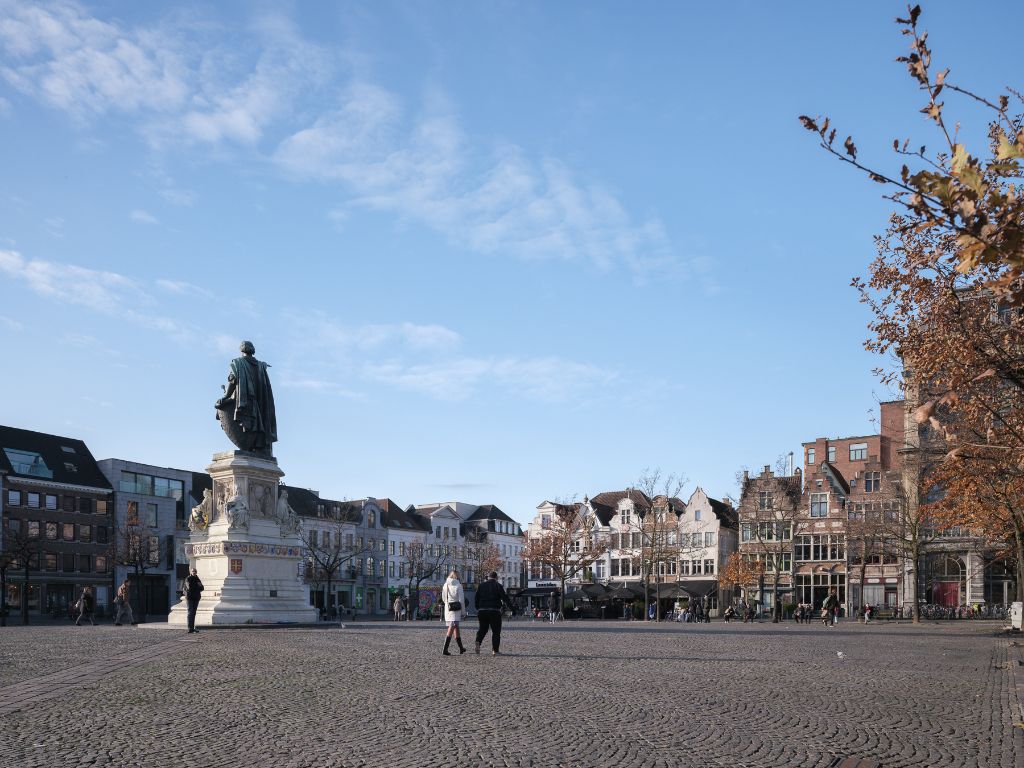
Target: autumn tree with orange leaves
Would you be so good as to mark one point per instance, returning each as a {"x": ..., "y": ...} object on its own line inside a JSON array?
[{"x": 945, "y": 292}]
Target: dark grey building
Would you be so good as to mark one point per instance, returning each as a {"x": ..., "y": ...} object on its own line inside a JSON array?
[{"x": 57, "y": 519}]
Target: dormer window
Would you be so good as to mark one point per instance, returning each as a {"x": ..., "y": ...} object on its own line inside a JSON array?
[{"x": 626, "y": 518}]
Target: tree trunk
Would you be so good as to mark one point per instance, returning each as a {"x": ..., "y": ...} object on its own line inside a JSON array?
[
  {"x": 24, "y": 595},
  {"x": 775, "y": 597},
  {"x": 3, "y": 596},
  {"x": 327, "y": 597},
  {"x": 915, "y": 554},
  {"x": 863, "y": 574},
  {"x": 1020, "y": 563}
]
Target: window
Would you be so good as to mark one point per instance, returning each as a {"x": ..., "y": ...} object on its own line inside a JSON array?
[
  {"x": 615, "y": 567},
  {"x": 709, "y": 539},
  {"x": 68, "y": 504},
  {"x": 393, "y": 547},
  {"x": 747, "y": 532},
  {"x": 831, "y": 454},
  {"x": 371, "y": 518},
  {"x": 401, "y": 548},
  {"x": 51, "y": 501},
  {"x": 391, "y": 569},
  {"x": 33, "y": 500},
  {"x": 872, "y": 482},
  {"x": 101, "y": 507},
  {"x": 709, "y": 566},
  {"x": 51, "y": 531},
  {"x": 369, "y": 566},
  {"x": 858, "y": 452},
  {"x": 68, "y": 532},
  {"x": 85, "y": 563},
  {"x": 401, "y": 570},
  {"x": 28, "y": 463},
  {"x": 33, "y": 529},
  {"x": 133, "y": 513},
  {"x": 14, "y": 498},
  {"x": 85, "y": 533},
  {"x": 819, "y": 505},
  {"x": 819, "y": 548},
  {"x": 50, "y": 561},
  {"x": 695, "y": 567},
  {"x": 381, "y": 545},
  {"x": 684, "y": 567},
  {"x": 371, "y": 544},
  {"x": 85, "y": 506},
  {"x": 696, "y": 539},
  {"x": 101, "y": 534},
  {"x": 312, "y": 539},
  {"x": 627, "y": 517},
  {"x": 359, "y": 542},
  {"x": 101, "y": 564},
  {"x": 765, "y": 500},
  {"x": 68, "y": 564},
  {"x": 545, "y": 522},
  {"x": 599, "y": 570},
  {"x": 151, "y": 515},
  {"x": 810, "y": 457},
  {"x": 696, "y": 515}
]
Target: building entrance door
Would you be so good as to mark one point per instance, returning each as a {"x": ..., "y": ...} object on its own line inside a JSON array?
[{"x": 946, "y": 594}]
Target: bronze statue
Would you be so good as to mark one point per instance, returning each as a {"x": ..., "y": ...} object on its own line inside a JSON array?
[{"x": 246, "y": 412}]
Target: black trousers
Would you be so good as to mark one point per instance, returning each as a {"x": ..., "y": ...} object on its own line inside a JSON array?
[
  {"x": 192, "y": 606},
  {"x": 489, "y": 620}
]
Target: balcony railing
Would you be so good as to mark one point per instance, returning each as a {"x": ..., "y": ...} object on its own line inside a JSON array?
[{"x": 144, "y": 489}]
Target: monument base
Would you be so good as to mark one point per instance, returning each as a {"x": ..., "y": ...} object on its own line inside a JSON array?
[{"x": 249, "y": 566}]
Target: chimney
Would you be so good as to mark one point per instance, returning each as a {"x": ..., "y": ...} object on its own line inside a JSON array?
[
  {"x": 767, "y": 469},
  {"x": 746, "y": 475}
]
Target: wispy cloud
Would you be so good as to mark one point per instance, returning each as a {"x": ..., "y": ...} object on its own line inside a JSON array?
[
  {"x": 9, "y": 322},
  {"x": 323, "y": 332},
  {"x": 183, "y": 288},
  {"x": 108, "y": 293},
  {"x": 421, "y": 167},
  {"x": 546, "y": 379},
  {"x": 143, "y": 217}
]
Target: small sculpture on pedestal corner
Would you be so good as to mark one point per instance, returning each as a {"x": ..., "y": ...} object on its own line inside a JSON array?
[
  {"x": 201, "y": 512},
  {"x": 286, "y": 517}
]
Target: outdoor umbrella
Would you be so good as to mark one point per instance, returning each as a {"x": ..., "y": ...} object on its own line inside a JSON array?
[
  {"x": 622, "y": 593},
  {"x": 576, "y": 594}
]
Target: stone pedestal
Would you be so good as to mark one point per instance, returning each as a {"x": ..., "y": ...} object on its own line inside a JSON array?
[{"x": 248, "y": 556}]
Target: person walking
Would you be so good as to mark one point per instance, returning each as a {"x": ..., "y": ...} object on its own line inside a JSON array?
[
  {"x": 193, "y": 591},
  {"x": 123, "y": 603},
  {"x": 86, "y": 607},
  {"x": 397, "y": 608},
  {"x": 452, "y": 598},
  {"x": 489, "y": 600},
  {"x": 828, "y": 607}
]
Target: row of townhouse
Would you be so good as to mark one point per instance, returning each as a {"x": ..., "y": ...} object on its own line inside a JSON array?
[
  {"x": 661, "y": 541},
  {"x": 849, "y": 520},
  {"x": 70, "y": 521}
]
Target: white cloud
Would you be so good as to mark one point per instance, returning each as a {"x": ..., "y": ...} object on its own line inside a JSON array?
[
  {"x": 422, "y": 169},
  {"x": 9, "y": 322},
  {"x": 143, "y": 217},
  {"x": 546, "y": 379},
  {"x": 107, "y": 293},
  {"x": 326, "y": 333},
  {"x": 68, "y": 59}
]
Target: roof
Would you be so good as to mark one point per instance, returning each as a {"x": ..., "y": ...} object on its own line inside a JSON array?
[
  {"x": 393, "y": 516},
  {"x": 728, "y": 516},
  {"x": 49, "y": 458},
  {"x": 606, "y": 504},
  {"x": 305, "y": 503},
  {"x": 489, "y": 512},
  {"x": 835, "y": 477}
]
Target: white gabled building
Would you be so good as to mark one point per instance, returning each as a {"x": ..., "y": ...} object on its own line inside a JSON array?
[{"x": 709, "y": 536}]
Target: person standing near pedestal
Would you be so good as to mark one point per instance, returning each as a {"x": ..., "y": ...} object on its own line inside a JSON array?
[{"x": 193, "y": 591}]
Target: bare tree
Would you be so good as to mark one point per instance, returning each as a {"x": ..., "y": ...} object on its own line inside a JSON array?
[
  {"x": 769, "y": 513},
  {"x": 137, "y": 547},
  {"x": 569, "y": 547},
  {"x": 425, "y": 561},
  {"x": 480, "y": 557},
  {"x": 661, "y": 542},
  {"x": 328, "y": 550},
  {"x": 20, "y": 552}
]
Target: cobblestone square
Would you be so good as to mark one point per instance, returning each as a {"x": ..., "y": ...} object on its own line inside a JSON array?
[{"x": 587, "y": 694}]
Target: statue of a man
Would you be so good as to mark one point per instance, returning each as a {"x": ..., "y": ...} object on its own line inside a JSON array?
[{"x": 246, "y": 411}]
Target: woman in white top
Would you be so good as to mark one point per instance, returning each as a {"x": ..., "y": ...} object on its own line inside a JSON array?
[{"x": 452, "y": 599}]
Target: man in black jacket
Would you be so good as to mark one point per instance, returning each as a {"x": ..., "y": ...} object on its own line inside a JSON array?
[
  {"x": 193, "y": 591},
  {"x": 489, "y": 600}
]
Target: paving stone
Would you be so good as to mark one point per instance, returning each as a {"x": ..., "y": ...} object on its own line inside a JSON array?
[{"x": 588, "y": 694}]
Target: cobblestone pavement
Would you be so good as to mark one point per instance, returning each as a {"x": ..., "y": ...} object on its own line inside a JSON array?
[{"x": 590, "y": 694}]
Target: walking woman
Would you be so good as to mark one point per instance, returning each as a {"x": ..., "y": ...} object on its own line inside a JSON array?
[
  {"x": 86, "y": 607},
  {"x": 452, "y": 598}
]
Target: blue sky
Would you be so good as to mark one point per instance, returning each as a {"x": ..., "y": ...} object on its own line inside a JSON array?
[{"x": 495, "y": 252}]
